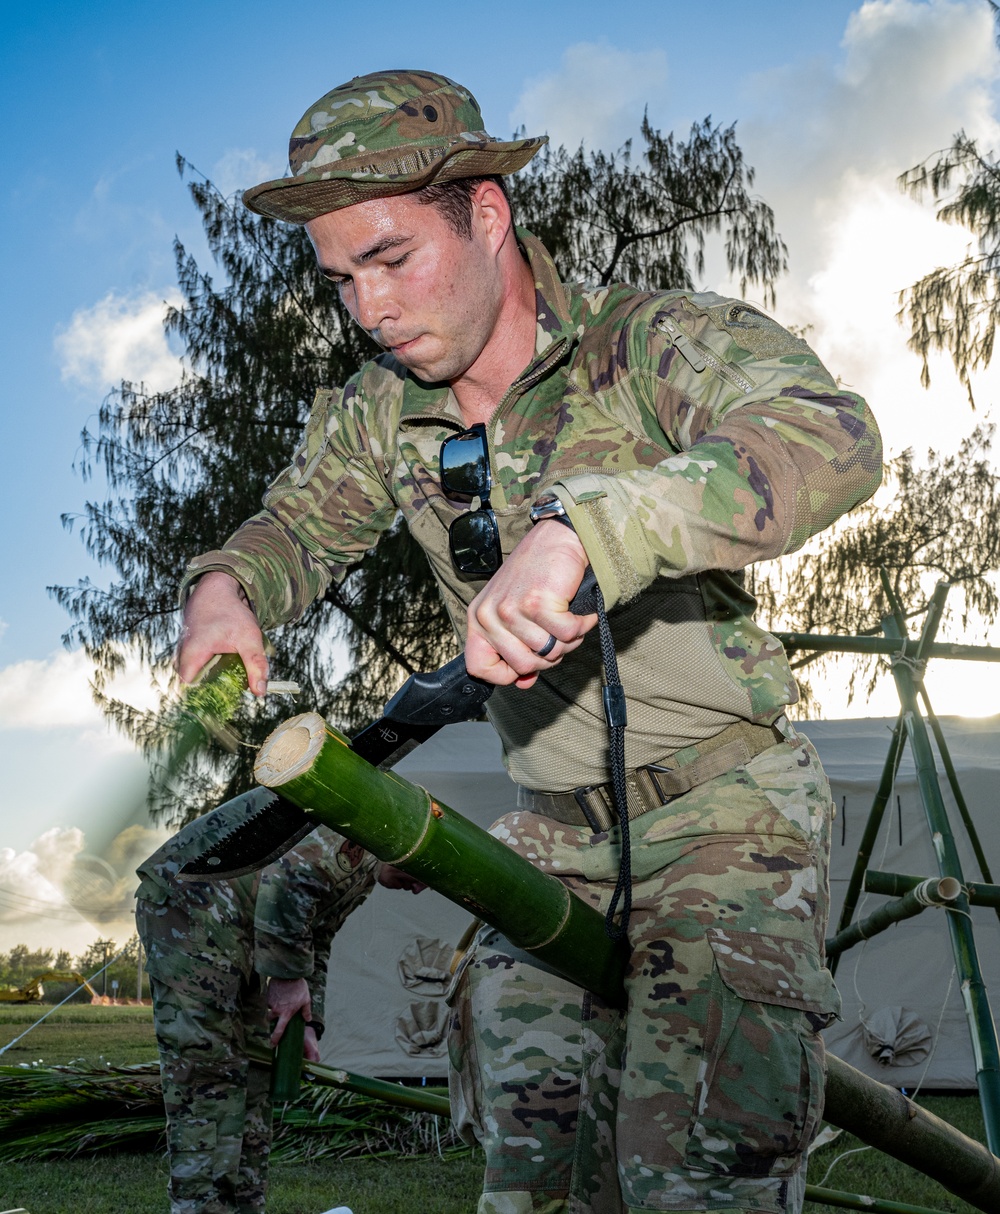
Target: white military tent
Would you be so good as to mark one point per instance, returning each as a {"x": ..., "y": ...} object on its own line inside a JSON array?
[{"x": 385, "y": 1009}]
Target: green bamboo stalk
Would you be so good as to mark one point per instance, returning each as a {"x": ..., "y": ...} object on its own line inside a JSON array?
[
  {"x": 873, "y": 646},
  {"x": 956, "y": 791},
  {"x": 982, "y": 1030},
  {"x": 859, "y": 1201},
  {"x": 935, "y": 891},
  {"x": 883, "y": 1117},
  {"x": 421, "y": 1100},
  {"x": 286, "y": 1073},
  {"x": 313, "y": 766},
  {"x": 872, "y": 827},
  {"x": 205, "y": 710},
  {"x": 896, "y": 884}
]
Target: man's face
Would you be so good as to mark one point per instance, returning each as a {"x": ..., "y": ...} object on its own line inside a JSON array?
[{"x": 427, "y": 294}]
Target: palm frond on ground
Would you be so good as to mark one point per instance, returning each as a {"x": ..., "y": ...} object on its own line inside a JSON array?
[{"x": 65, "y": 1111}]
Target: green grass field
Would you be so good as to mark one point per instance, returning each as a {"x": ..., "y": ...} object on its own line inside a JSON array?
[
  {"x": 872, "y": 1173},
  {"x": 429, "y": 1185},
  {"x": 137, "y": 1184},
  {"x": 119, "y": 1035}
]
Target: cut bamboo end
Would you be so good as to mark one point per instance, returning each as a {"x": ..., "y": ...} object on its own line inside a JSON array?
[{"x": 291, "y": 750}]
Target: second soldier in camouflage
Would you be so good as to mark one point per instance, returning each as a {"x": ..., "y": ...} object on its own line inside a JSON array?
[{"x": 208, "y": 946}]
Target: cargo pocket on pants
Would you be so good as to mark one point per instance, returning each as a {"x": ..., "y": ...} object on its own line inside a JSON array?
[{"x": 759, "y": 1095}]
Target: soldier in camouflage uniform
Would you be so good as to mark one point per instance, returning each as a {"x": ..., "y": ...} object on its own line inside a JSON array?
[
  {"x": 682, "y": 436},
  {"x": 208, "y": 945}
]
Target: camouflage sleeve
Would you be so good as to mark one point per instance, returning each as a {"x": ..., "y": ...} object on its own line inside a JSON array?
[
  {"x": 303, "y": 899},
  {"x": 769, "y": 449},
  {"x": 321, "y": 514}
]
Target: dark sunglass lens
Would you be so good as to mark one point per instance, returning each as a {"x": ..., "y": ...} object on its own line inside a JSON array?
[
  {"x": 465, "y": 467},
  {"x": 475, "y": 543}
]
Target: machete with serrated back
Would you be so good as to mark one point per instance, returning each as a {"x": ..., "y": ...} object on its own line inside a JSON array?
[{"x": 423, "y": 705}]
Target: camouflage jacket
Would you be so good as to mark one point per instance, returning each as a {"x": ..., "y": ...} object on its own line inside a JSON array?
[
  {"x": 688, "y": 436},
  {"x": 303, "y": 899},
  {"x": 279, "y": 921}
]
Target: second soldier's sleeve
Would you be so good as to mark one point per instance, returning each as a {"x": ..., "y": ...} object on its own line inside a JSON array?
[{"x": 303, "y": 899}]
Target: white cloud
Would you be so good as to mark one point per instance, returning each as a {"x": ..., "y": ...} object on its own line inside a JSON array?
[
  {"x": 562, "y": 103},
  {"x": 120, "y": 337},
  {"x": 31, "y": 881},
  {"x": 829, "y": 144},
  {"x": 880, "y": 243},
  {"x": 240, "y": 168},
  {"x": 56, "y": 880},
  {"x": 102, "y": 888},
  {"x": 55, "y": 693}
]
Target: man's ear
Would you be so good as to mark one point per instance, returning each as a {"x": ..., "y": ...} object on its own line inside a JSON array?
[{"x": 491, "y": 212}]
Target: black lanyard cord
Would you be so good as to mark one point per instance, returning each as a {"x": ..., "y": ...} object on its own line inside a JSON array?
[{"x": 613, "y": 695}]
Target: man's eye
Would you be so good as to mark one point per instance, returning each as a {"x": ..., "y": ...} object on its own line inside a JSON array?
[{"x": 393, "y": 265}]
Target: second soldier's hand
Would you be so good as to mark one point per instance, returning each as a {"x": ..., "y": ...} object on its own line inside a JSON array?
[
  {"x": 525, "y": 602},
  {"x": 285, "y": 997}
]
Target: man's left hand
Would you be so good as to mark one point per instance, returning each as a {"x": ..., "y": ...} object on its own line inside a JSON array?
[{"x": 525, "y": 602}]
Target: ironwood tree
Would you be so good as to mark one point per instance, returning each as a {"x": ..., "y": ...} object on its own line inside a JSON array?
[
  {"x": 955, "y": 309},
  {"x": 185, "y": 467},
  {"x": 933, "y": 520}
]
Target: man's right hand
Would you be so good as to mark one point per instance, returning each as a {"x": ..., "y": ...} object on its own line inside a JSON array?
[{"x": 218, "y": 619}]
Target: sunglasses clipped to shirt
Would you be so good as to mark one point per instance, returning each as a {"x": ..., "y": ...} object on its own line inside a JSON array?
[{"x": 474, "y": 537}]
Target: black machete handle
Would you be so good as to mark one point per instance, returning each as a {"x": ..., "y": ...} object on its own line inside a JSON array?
[{"x": 442, "y": 697}]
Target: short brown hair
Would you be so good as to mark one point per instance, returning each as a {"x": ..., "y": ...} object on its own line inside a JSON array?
[{"x": 453, "y": 200}]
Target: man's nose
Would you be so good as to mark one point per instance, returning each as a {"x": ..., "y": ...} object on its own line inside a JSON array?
[{"x": 373, "y": 304}]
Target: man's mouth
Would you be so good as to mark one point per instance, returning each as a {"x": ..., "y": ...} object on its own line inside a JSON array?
[{"x": 400, "y": 347}]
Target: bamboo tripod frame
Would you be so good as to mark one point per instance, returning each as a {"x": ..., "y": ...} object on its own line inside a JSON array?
[{"x": 908, "y": 656}]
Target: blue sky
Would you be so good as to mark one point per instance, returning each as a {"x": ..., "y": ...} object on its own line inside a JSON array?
[
  {"x": 99, "y": 97},
  {"x": 832, "y": 101}
]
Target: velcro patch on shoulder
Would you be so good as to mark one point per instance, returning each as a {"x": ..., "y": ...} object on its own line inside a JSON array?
[{"x": 755, "y": 331}]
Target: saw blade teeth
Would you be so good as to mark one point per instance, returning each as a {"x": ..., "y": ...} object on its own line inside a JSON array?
[
  {"x": 209, "y": 856},
  {"x": 235, "y": 853}
]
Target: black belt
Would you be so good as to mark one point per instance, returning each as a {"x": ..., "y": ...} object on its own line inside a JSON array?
[{"x": 655, "y": 785}]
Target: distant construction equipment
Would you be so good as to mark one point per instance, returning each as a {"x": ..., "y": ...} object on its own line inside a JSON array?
[{"x": 34, "y": 991}]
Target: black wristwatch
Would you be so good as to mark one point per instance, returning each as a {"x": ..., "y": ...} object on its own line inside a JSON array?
[{"x": 549, "y": 507}]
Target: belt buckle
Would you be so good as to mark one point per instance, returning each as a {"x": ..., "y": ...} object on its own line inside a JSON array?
[
  {"x": 580, "y": 795},
  {"x": 651, "y": 769}
]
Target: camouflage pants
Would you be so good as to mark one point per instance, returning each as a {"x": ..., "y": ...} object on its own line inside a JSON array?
[
  {"x": 205, "y": 1010},
  {"x": 706, "y": 1092}
]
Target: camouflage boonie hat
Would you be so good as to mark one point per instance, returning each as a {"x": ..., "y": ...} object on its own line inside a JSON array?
[{"x": 386, "y": 133}]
